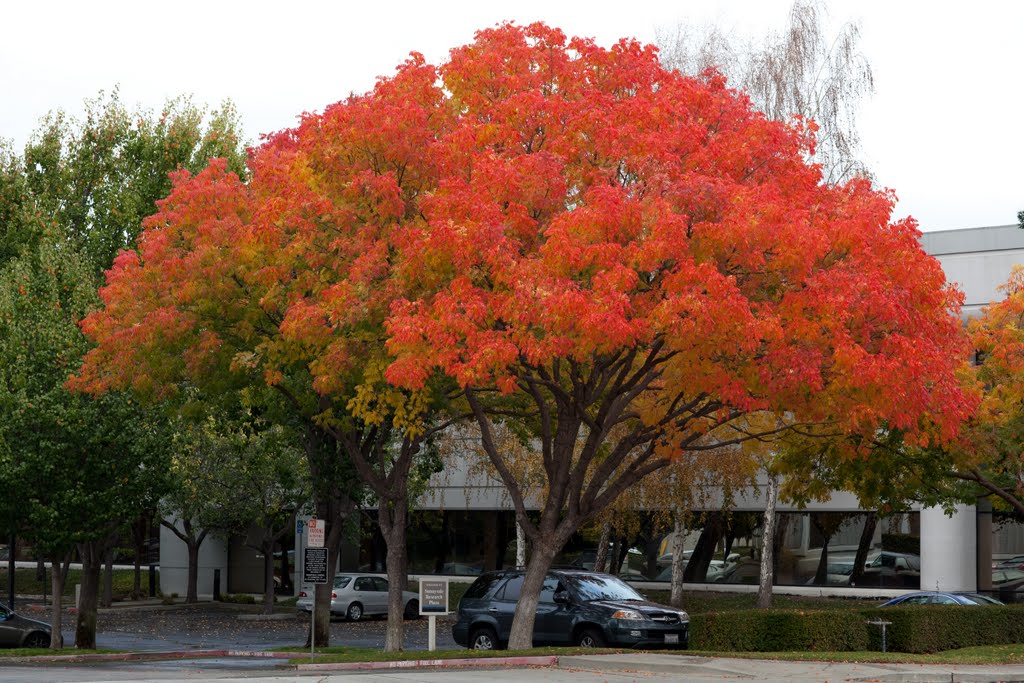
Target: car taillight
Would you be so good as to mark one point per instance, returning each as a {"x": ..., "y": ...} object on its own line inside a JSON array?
[
  {"x": 302, "y": 594},
  {"x": 333, "y": 595}
]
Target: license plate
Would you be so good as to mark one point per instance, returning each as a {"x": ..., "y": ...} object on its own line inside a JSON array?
[{"x": 671, "y": 638}]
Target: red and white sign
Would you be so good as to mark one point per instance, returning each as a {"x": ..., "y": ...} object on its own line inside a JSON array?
[{"x": 317, "y": 529}]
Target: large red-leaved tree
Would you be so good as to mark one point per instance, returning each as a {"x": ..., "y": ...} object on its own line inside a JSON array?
[
  {"x": 283, "y": 283},
  {"x": 624, "y": 260}
]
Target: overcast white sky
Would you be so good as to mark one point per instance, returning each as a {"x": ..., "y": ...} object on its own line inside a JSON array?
[{"x": 942, "y": 130}]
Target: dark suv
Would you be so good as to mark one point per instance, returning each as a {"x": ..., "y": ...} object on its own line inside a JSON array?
[{"x": 576, "y": 607}]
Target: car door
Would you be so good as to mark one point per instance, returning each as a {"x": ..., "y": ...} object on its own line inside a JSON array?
[
  {"x": 380, "y": 589},
  {"x": 503, "y": 607},
  {"x": 363, "y": 592},
  {"x": 553, "y": 623},
  {"x": 10, "y": 632}
]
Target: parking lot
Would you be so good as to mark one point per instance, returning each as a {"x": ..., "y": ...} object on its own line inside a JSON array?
[{"x": 208, "y": 625}]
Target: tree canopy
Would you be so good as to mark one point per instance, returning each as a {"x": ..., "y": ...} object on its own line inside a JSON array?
[{"x": 624, "y": 262}]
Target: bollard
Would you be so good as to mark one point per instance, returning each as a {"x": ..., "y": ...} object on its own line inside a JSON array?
[{"x": 216, "y": 585}]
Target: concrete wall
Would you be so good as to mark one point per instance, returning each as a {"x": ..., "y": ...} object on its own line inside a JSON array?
[
  {"x": 213, "y": 554},
  {"x": 949, "y": 549}
]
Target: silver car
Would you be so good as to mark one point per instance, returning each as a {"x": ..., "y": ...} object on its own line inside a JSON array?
[
  {"x": 357, "y": 595},
  {"x": 19, "y": 631}
]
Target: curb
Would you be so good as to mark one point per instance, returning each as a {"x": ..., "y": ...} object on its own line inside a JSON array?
[
  {"x": 474, "y": 663},
  {"x": 147, "y": 656}
]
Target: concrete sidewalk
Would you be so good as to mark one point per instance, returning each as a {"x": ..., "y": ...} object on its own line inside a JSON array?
[{"x": 694, "y": 669}]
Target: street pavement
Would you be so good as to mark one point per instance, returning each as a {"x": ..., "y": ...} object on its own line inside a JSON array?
[{"x": 206, "y": 632}]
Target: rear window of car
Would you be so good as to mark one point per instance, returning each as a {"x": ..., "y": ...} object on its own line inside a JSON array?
[
  {"x": 482, "y": 586},
  {"x": 342, "y": 581},
  {"x": 513, "y": 587}
]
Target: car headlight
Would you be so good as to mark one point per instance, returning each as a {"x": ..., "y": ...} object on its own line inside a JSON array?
[
  {"x": 683, "y": 616},
  {"x": 628, "y": 614}
]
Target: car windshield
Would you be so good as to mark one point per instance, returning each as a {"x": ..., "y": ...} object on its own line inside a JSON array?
[
  {"x": 341, "y": 581},
  {"x": 598, "y": 587}
]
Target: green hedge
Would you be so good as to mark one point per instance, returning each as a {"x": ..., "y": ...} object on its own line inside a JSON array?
[
  {"x": 933, "y": 628},
  {"x": 778, "y": 630},
  {"x": 917, "y": 629}
]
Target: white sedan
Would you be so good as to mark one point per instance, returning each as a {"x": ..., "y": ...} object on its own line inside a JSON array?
[{"x": 357, "y": 595}]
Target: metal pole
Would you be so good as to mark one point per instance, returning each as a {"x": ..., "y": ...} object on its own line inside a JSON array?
[{"x": 432, "y": 633}]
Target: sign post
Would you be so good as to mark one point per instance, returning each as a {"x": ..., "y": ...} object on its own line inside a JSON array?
[
  {"x": 314, "y": 568},
  {"x": 433, "y": 601}
]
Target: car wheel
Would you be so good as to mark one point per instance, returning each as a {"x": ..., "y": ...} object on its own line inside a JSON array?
[
  {"x": 590, "y": 637},
  {"x": 37, "y": 639},
  {"x": 412, "y": 609},
  {"x": 483, "y": 638},
  {"x": 355, "y": 612}
]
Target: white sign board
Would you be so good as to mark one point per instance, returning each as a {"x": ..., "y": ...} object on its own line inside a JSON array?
[{"x": 317, "y": 529}]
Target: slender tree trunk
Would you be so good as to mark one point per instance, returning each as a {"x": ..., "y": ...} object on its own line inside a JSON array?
[
  {"x": 767, "y": 575},
  {"x": 520, "y": 545},
  {"x": 602, "y": 547},
  {"x": 704, "y": 552},
  {"x": 678, "y": 562},
  {"x": 867, "y": 534},
  {"x": 85, "y": 624},
  {"x": 268, "y": 574},
  {"x": 58, "y": 574},
  {"x": 192, "y": 590},
  {"x": 392, "y": 518},
  {"x": 821, "y": 575},
  {"x": 336, "y": 511},
  {"x": 108, "y": 577}
]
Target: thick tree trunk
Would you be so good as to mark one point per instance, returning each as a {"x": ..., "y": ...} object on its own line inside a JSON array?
[
  {"x": 678, "y": 563},
  {"x": 85, "y": 623},
  {"x": 393, "y": 527},
  {"x": 601, "y": 559},
  {"x": 767, "y": 574},
  {"x": 542, "y": 554}
]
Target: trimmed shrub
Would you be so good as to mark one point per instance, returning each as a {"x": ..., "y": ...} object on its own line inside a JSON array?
[
  {"x": 933, "y": 628},
  {"x": 779, "y": 630}
]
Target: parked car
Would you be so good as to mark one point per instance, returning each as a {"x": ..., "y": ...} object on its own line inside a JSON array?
[
  {"x": 577, "y": 607},
  {"x": 1009, "y": 584},
  {"x": 355, "y": 596},
  {"x": 19, "y": 631},
  {"x": 937, "y": 598}
]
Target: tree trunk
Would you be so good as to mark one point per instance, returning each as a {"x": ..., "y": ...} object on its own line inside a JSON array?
[
  {"x": 520, "y": 545},
  {"x": 268, "y": 575},
  {"x": 57, "y": 572},
  {"x": 704, "y": 552},
  {"x": 821, "y": 576},
  {"x": 392, "y": 519},
  {"x": 543, "y": 552},
  {"x": 867, "y": 534},
  {"x": 108, "y": 576},
  {"x": 678, "y": 562},
  {"x": 192, "y": 591},
  {"x": 85, "y": 624},
  {"x": 767, "y": 574},
  {"x": 336, "y": 511},
  {"x": 601, "y": 559}
]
